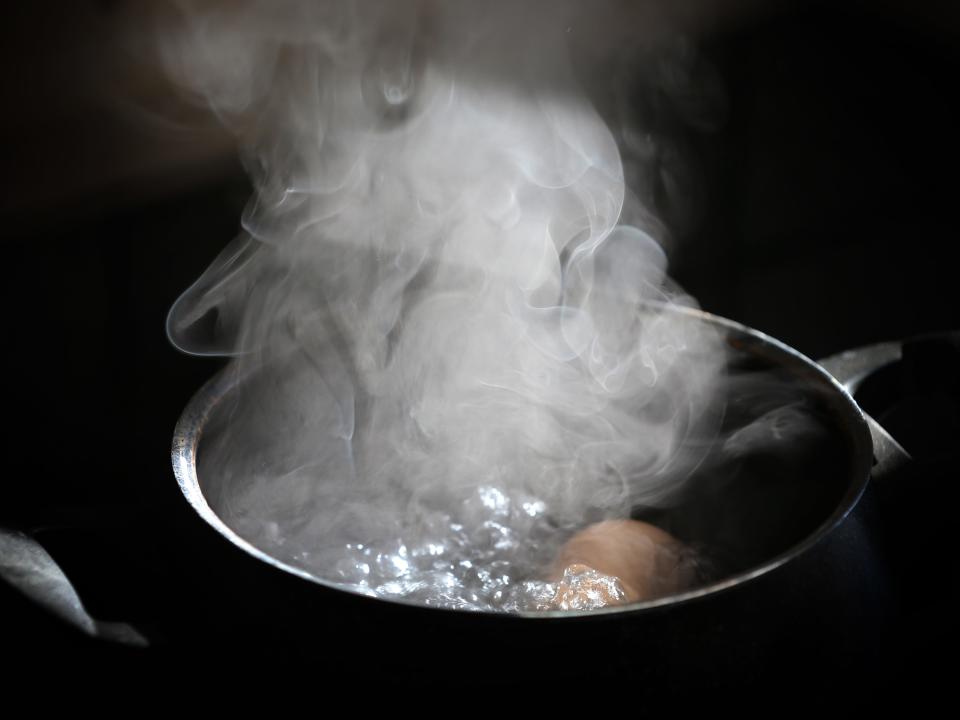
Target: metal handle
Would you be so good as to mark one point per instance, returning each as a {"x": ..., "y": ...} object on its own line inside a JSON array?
[
  {"x": 29, "y": 568},
  {"x": 850, "y": 368}
]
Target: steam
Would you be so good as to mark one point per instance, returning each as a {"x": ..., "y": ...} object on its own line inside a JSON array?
[{"x": 450, "y": 352}]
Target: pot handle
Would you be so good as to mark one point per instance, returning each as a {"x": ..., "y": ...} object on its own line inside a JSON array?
[
  {"x": 29, "y": 569},
  {"x": 850, "y": 368}
]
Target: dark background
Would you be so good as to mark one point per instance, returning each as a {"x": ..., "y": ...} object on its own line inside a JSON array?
[{"x": 827, "y": 219}]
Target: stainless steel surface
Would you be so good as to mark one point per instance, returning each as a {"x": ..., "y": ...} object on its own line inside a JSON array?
[
  {"x": 28, "y": 567},
  {"x": 851, "y": 368},
  {"x": 189, "y": 434}
]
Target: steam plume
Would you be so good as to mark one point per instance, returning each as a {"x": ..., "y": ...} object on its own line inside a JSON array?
[{"x": 453, "y": 351}]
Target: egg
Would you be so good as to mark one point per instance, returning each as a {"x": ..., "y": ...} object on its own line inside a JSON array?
[{"x": 646, "y": 562}]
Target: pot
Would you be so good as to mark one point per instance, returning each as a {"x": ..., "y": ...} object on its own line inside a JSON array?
[{"x": 802, "y": 578}]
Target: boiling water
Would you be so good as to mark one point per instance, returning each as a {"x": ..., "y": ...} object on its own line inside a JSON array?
[
  {"x": 495, "y": 554},
  {"x": 491, "y": 554}
]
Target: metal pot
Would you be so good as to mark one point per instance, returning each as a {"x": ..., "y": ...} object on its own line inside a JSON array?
[{"x": 805, "y": 581}]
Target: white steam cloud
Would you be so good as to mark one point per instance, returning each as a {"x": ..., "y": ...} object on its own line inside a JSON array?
[{"x": 454, "y": 354}]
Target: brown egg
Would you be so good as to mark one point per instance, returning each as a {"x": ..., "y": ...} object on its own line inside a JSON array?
[{"x": 648, "y": 562}]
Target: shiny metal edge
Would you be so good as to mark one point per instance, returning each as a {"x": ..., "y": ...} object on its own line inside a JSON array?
[
  {"x": 189, "y": 432},
  {"x": 852, "y": 367}
]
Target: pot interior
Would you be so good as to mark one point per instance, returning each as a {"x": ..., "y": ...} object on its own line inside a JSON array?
[{"x": 789, "y": 459}]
